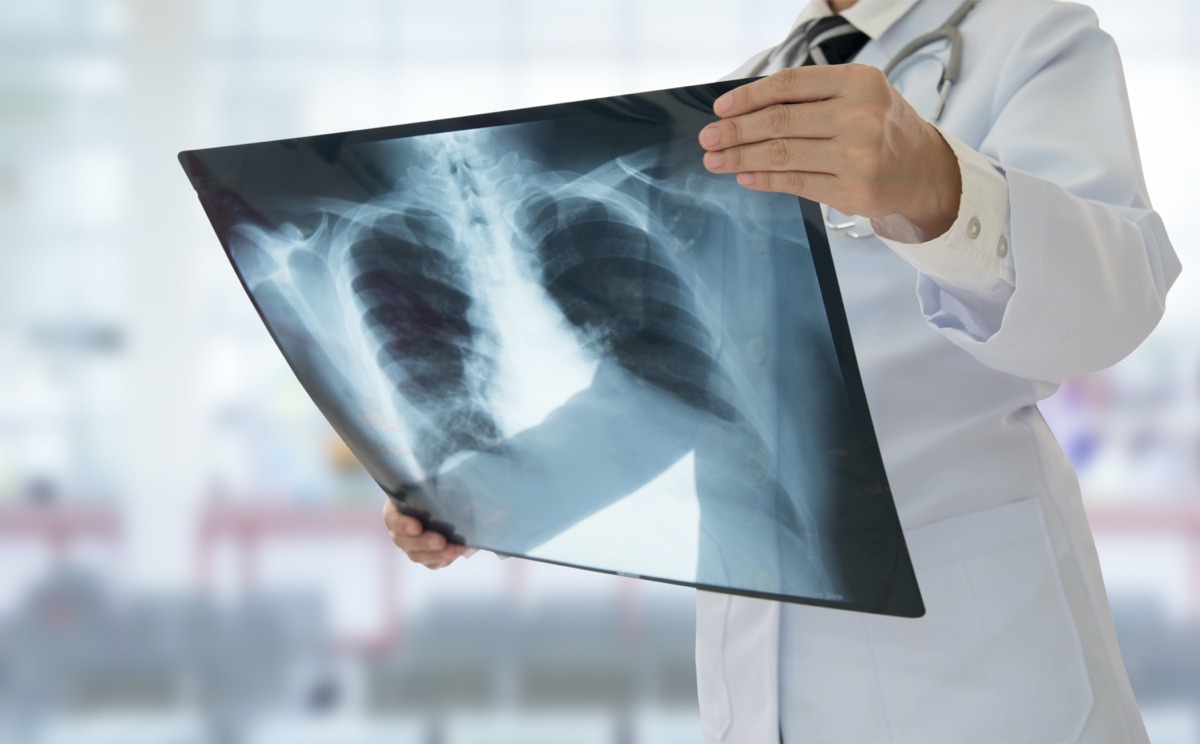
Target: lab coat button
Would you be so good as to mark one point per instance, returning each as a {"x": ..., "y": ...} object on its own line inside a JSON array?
[
  {"x": 756, "y": 350},
  {"x": 974, "y": 228},
  {"x": 765, "y": 581},
  {"x": 1002, "y": 247}
]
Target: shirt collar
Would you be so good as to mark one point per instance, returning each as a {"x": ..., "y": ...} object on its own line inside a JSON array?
[{"x": 872, "y": 17}]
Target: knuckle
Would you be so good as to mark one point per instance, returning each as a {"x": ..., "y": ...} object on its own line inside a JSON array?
[
  {"x": 763, "y": 181},
  {"x": 781, "y": 82},
  {"x": 795, "y": 182},
  {"x": 866, "y": 74},
  {"x": 730, "y": 131},
  {"x": 778, "y": 152},
  {"x": 777, "y": 120},
  {"x": 861, "y": 118},
  {"x": 786, "y": 78},
  {"x": 876, "y": 77},
  {"x": 840, "y": 119}
]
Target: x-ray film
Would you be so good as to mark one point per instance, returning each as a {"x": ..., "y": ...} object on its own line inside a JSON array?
[{"x": 551, "y": 333}]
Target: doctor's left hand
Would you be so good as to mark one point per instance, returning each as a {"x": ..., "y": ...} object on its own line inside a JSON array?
[
  {"x": 429, "y": 548},
  {"x": 840, "y": 135}
]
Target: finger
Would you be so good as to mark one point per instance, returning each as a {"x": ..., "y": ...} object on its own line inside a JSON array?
[
  {"x": 440, "y": 558},
  {"x": 815, "y": 120},
  {"x": 423, "y": 543},
  {"x": 811, "y": 156},
  {"x": 402, "y": 524},
  {"x": 427, "y": 557},
  {"x": 435, "y": 560},
  {"x": 815, "y": 186},
  {"x": 793, "y": 85}
]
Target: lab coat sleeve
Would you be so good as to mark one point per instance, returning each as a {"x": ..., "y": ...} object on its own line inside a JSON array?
[
  {"x": 1092, "y": 261},
  {"x": 970, "y": 263}
]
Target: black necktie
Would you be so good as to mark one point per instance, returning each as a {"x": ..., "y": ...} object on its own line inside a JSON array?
[{"x": 831, "y": 40}]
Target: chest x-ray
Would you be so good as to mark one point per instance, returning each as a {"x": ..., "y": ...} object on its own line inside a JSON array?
[{"x": 551, "y": 333}]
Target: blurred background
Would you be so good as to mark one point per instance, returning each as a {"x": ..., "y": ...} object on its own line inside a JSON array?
[{"x": 187, "y": 553}]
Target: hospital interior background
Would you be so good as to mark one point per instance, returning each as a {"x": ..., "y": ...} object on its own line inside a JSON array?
[{"x": 186, "y": 552}]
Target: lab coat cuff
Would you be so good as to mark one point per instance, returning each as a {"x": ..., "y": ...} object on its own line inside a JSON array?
[
  {"x": 965, "y": 275},
  {"x": 974, "y": 255}
]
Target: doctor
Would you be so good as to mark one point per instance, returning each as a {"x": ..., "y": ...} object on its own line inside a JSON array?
[{"x": 1023, "y": 222}]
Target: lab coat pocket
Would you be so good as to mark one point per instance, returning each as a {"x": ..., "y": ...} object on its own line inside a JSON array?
[{"x": 998, "y": 656}]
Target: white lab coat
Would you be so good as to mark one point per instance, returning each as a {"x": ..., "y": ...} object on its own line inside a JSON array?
[{"x": 1017, "y": 643}]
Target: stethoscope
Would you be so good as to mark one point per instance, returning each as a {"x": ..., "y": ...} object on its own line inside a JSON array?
[{"x": 859, "y": 227}]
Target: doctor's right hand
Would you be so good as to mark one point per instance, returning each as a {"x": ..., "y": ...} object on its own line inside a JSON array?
[
  {"x": 840, "y": 135},
  {"x": 430, "y": 549}
]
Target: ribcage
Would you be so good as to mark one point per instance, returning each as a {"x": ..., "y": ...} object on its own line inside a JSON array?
[
  {"x": 416, "y": 303},
  {"x": 620, "y": 287}
]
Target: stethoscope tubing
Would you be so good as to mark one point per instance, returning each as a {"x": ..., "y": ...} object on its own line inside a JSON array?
[
  {"x": 953, "y": 68},
  {"x": 948, "y": 30},
  {"x": 951, "y": 71}
]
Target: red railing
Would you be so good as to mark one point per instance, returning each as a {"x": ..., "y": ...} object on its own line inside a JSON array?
[
  {"x": 1150, "y": 518},
  {"x": 249, "y": 527}
]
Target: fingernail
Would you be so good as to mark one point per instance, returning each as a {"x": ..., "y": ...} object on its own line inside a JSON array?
[
  {"x": 413, "y": 528},
  {"x": 745, "y": 179},
  {"x": 722, "y": 104},
  {"x": 714, "y": 160},
  {"x": 432, "y": 542},
  {"x": 709, "y": 136}
]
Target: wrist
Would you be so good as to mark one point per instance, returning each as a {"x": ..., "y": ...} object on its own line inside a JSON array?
[{"x": 939, "y": 191}]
